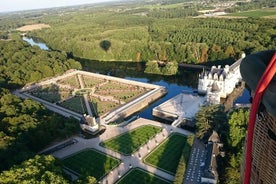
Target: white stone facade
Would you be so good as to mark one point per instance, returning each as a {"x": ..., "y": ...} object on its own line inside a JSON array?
[{"x": 219, "y": 82}]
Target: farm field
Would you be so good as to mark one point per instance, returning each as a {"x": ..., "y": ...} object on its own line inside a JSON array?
[
  {"x": 139, "y": 176},
  {"x": 167, "y": 155},
  {"x": 269, "y": 13},
  {"x": 91, "y": 162},
  {"x": 129, "y": 142}
]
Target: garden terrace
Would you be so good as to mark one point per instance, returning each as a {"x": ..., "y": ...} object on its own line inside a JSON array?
[
  {"x": 102, "y": 106},
  {"x": 120, "y": 91},
  {"x": 75, "y": 104},
  {"x": 129, "y": 142},
  {"x": 71, "y": 81},
  {"x": 139, "y": 176},
  {"x": 167, "y": 155},
  {"x": 52, "y": 93},
  {"x": 92, "y": 81},
  {"x": 90, "y": 162},
  {"x": 109, "y": 97}
]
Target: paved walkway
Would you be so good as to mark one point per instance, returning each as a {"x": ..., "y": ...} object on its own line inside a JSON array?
[{"x": 127, "y": 162}]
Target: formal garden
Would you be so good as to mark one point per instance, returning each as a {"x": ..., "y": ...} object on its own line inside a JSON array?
[
  {"x": 90, "y": 163},
  {"x": 127, "y": 143},
  {"x": 139, "y": 176},
  {"x": 104, "y": 95},
  {"x": 167, "y": 155},
  {"x": 71, "y": 81},
  {"x": 75, "y": 103},
  {"x": 51, "y": 93}
]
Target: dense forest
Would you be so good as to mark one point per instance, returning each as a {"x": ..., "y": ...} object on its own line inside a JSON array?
[
  {"x": 26, "y": 126},
  {"x": 140, "y": 38}
]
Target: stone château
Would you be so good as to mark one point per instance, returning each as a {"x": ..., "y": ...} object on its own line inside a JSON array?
[{"x": 219, "y": 82}]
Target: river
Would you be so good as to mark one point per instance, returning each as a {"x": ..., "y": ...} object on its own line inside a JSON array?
[
  {"x": 32, "y": 42},
  {"x": 185, "y": 80}
]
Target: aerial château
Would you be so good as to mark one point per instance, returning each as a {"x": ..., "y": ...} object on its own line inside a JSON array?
[{"x": 219, "y": 82}]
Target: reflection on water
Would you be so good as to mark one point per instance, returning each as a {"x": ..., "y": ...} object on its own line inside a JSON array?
[{"x": 42, "y": 46}]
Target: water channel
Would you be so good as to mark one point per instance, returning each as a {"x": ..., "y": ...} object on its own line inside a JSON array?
[{"x": 185, "y": 80}]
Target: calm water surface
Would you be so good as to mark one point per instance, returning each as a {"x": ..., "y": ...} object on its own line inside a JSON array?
[{"x": 42, "y": 46}]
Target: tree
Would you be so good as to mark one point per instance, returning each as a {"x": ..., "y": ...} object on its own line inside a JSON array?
[
  {"x": 209, "y": 118},
  {"x": 237, "y": 127},
  {"x": 40, "y": 169}
]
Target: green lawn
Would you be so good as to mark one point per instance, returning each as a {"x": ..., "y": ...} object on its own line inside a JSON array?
[
  {"x": 71, "y": 80},
  {"x": 129, "y": 142},
  {"x": 91, "y": 162},
  {"x": 51, "y": 93},
  {"x": 139, "y": 176},
  {"x": 166, "y": 156},
  {"x": 74, "y": 104},
  {"x": 255, "y": 13}
]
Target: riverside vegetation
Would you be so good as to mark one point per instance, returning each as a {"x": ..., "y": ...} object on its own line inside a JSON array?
[{"x": 157, "y": 33}]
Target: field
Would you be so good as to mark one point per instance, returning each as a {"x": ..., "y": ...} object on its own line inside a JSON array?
[
  {"x": 166, "y": 156},
  {"x": 129, "y": 142},
  {"x": 74, "y": 104},
  {"x": 256, "y": 13},
  {"x": 32, "y": 27},
  {"x": 139, "y": 176},
  {"x": 91, "y": 162}
]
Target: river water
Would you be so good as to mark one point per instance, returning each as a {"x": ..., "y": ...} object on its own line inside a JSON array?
[
  {"x": 185, "y": 80},
  {"x": 32, "y": 42}
]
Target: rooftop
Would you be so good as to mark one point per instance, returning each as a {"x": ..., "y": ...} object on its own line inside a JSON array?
[{"x": 184, "y": 105}]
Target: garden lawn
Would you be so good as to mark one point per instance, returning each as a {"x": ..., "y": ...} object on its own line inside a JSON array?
[
  {"x": 139, "y": 176},
  {"x": 129, "y": 142},
  {"x": 91, "y": 162},
  {"x": 74, "y": 104},
  {"x": 167, "y": 155}
]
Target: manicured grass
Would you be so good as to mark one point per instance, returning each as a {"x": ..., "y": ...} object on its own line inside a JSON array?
[
  {"x": 51, "y": 93},
  {"x": 91, "y": 162},
  {"x": 255, "y": 13},
  {"x": 166, "y": 156},
  {"x": 72, "y": 81},
  {"x": 103, "y": 107},
  {"x": 74, "y": 104},
  {"x": 139, "y": 176},
  {"x": 129, "y": 142},
  {"x": 91, "y": 81}
]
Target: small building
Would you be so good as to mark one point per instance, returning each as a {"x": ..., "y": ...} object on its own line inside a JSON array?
[
  {"x": 89, "y": 124},
  {"x": 210, "y": 174}
]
